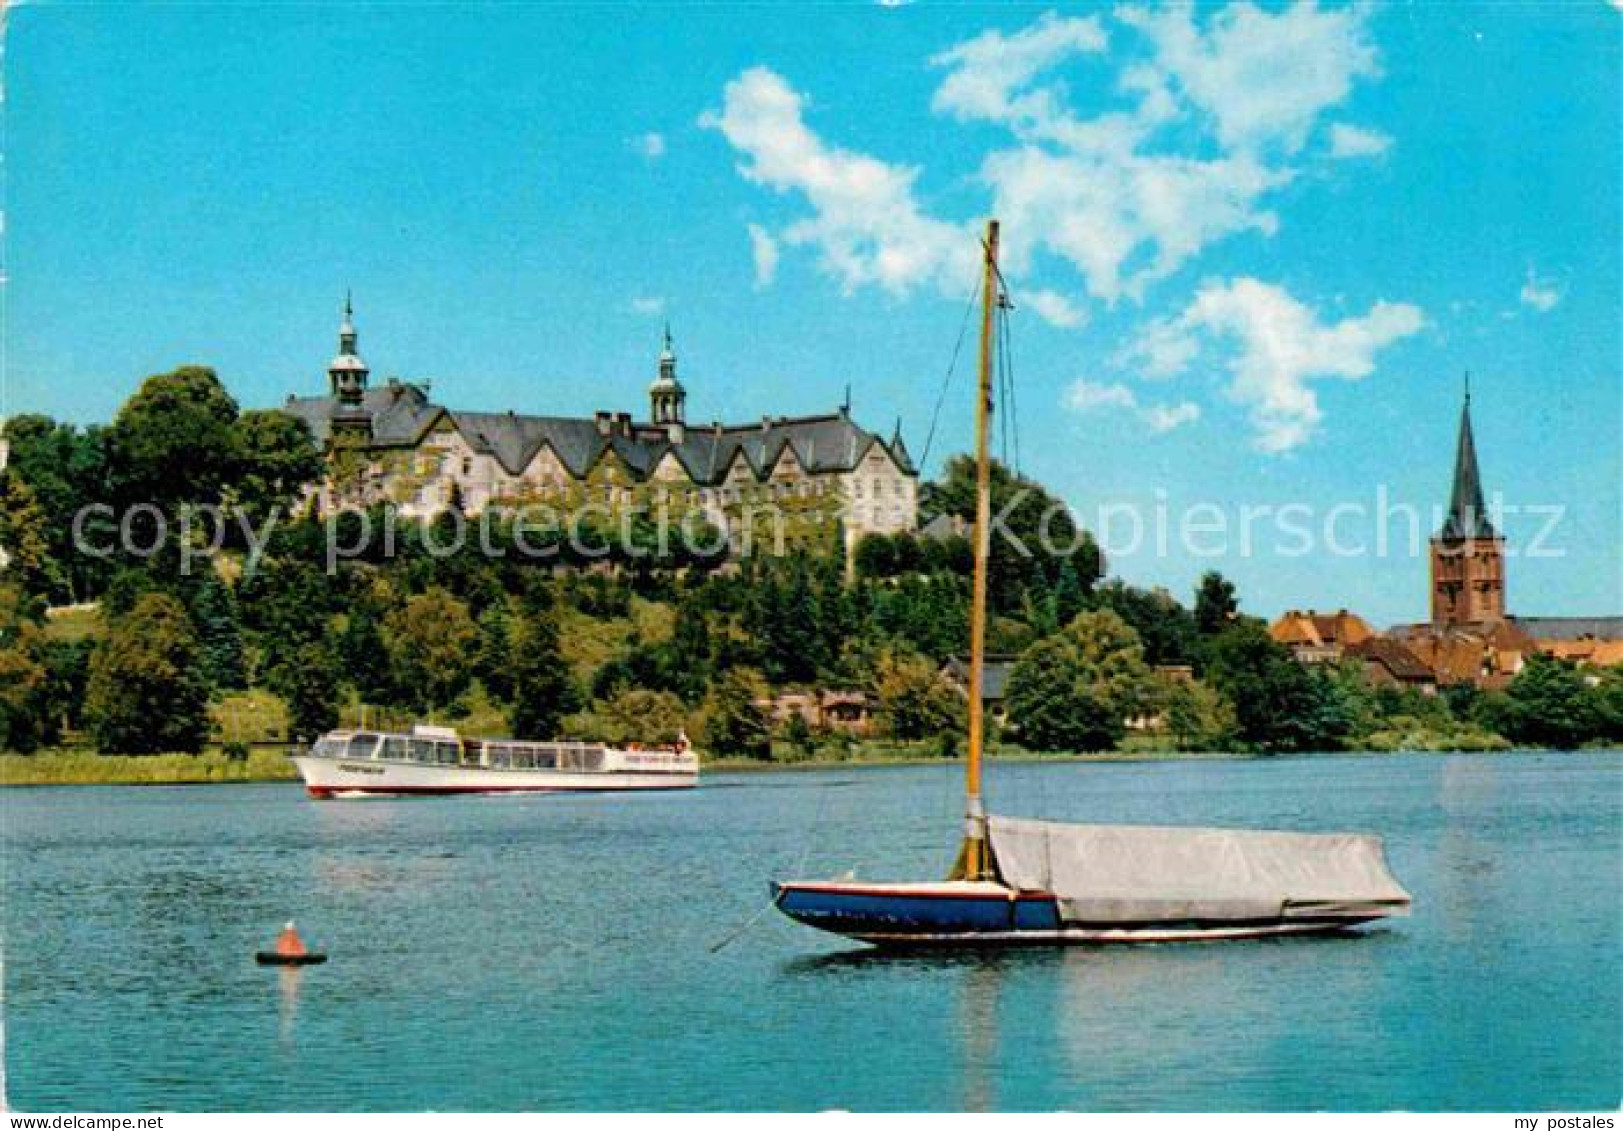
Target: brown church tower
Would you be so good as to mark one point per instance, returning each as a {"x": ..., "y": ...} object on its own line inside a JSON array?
[{"x": 1467, "y": 555}]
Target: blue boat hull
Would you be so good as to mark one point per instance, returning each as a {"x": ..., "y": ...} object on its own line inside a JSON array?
[{"x": 984, "y": 914}]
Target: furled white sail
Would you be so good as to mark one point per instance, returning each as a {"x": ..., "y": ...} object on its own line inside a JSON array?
[{"x": 1139, "y": 873}]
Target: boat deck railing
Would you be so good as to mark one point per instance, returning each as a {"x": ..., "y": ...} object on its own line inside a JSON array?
[{"x": 493, "y": 754}]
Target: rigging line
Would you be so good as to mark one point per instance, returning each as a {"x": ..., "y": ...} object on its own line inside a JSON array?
[
  {"x": 946, "y": 379},
  {"x": 1003, "y": 390},
  {"x": 777, "y": 897},
  {"x": 750, "y": 922},
  {"x": 1008, "y": 365},
  {"x": 1002, "y": 376}
]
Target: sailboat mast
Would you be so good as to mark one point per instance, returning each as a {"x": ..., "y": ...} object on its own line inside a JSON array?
[{"x": 975, "y": 861}]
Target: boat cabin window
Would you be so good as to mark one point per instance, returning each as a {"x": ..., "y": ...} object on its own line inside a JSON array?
[
  {"x": 422, "y": 750},
  {"x": 501, "y": 756},
  {"x": 330, "y": 747},
  {"x": 397, "y": 748},
  {"x": 523, "y": 757},
  {"x": 361, "y": 746},
  {"x": 445, "y": 753}
]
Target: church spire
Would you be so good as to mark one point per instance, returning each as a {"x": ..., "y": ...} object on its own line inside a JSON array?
[{"x": 1467, "y": 514}]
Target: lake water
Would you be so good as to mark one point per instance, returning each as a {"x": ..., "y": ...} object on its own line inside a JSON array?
[{"x": 556, "y": 952}]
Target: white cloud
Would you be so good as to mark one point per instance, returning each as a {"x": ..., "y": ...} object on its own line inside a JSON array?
[
  {"x": 648, "y": 305},
  {"x": 1123, "y": 221},
  {"x": 1352, "y": 141},
  {"x": 1085, "y": 396},
  {"x": 1278, "y": 346},
  {"x": 1540, "y": 294},
  {"x": 765, "y": 251},
  {"x": 866, "y": 223},
  {"x": 650, "y": 145},
  {"x": 1118, "y": 195},
  {"x": 1262, "y": 78},
  {"x": 1166, "y": 418},
  {"x": 1198, "y": 127},
  {"x": 988, "y": 71},
  {"x": 1055, "y": 309}
]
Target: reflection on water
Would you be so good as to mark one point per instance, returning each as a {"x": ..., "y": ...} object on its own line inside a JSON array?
[
  {"x": 287, "y": 1000},
  {"x": 557, "y": 952}
]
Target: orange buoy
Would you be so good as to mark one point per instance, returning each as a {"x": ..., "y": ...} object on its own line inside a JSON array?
[
  {"x": 290, "y": 951},
  {"x": 289, "y": 944}
]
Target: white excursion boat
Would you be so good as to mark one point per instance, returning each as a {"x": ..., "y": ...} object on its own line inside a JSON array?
[{"x": 437, "y": 760}]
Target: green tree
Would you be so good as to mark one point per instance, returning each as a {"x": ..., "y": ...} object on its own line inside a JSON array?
[
  {"x": 787, "y": 619},
  {"x": 25, "y": 544},
  {"x": 364, "y": 657},
  {"x": 1075, "y": 690},
  {"x": 914, "y": 699},
  {"x": 1034, "y": 533},
  {"x": 734, "y": 725},
  {"x": 687, "y": 659},
  {"x": 25, "y": 706},
  {"x": 494, "y": 662},
  {"x": 1551, "y": 705},
  {"x": 1195, "y": 715},
  {"x": 67, "y": 671},
  {"x": 310, "y": 688},
  {"x": 543, "y": 692},
  {"x": 431, "y": 641},
  {"x": 67, "y": 470},
  {"x": 875, "y": 557},
  {"x": 286, "y": 603},
  {"x": 219, "y": 633},
  {"x": 1166, "y": 629},
  {"x": 146, "y": 692},
  {"x": 1215, "y": 603},
  {"x": 278, "y": 459},
  {"x": 638, "y": 714},
  {"x": 1608, "y": 703},
  {"x": 175, "y": 441},
  {"x": 23, "y": 683},
  {"x": 1278, "y": 705}
]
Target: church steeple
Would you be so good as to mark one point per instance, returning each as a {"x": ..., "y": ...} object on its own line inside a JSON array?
[
  {"x": 1467, "y": 555},
  {"x": 1467, "y": 514}
]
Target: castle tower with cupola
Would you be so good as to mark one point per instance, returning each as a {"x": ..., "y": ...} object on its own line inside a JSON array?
[
  {"x": 667, "y": 399},
  {"x": 347, "y": 374}
]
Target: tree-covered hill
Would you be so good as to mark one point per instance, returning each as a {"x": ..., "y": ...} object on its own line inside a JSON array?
[{"x": 165, "y": 646}]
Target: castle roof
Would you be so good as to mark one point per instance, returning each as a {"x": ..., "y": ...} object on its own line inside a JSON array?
[{"x": 402, "y": 415}]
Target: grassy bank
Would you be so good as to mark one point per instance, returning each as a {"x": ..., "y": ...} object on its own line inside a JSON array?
[{"x": 84, "y": 767}]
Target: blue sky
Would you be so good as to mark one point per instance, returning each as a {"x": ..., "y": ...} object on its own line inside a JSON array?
[{"x": 1252, "y": 249}]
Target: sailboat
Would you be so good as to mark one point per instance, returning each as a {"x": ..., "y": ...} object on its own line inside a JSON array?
[{"x": 1031, "y": 882}]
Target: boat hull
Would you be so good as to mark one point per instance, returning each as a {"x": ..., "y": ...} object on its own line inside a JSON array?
[
  {"x": 978, "y": 914},
  {"x": 327, "y": 778}
]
